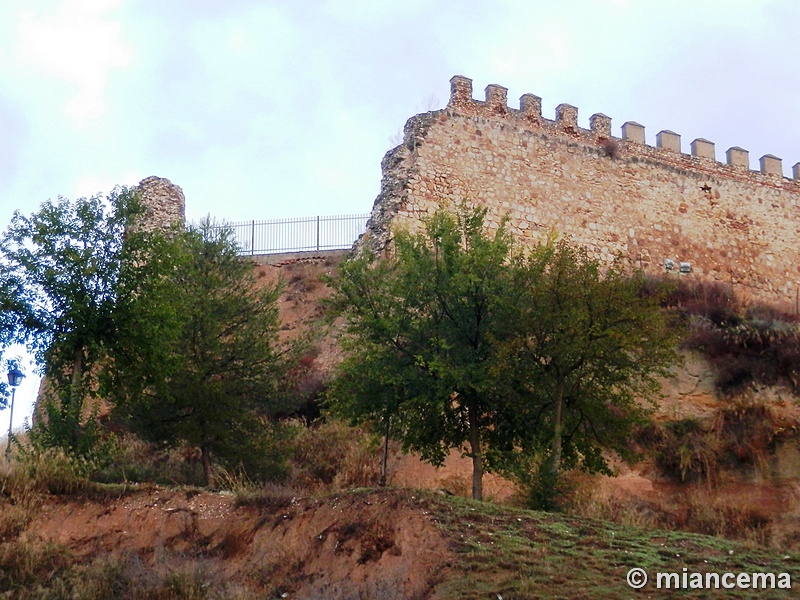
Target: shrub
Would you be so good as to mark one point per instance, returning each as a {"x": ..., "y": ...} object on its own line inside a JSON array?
[
  {"x": 696, "y": 509},
  {"x": 762, "y": 346},
  {"x": 269, "y": 495},
  {"x": 688, "y": 452},
  {"x": 595, "y": 501},
  {"x": 134, "y": 460},
  {"x": 19, "y": 503},
  {"x": 611, "y": 148},
  {"x": 303, "y": 384},
  {"x": 261, "y": 453},
  {"x": 769, "y": 313},
  {"x": 725, "y": 517},
  {"x": 539, "y": 488},
  {"x": 334, "y": 455},
  {"x": 23, "y": 566},
  {"x": 747, "y": 430},
  {"x": 55, "y": 471},
  {"x": 713, "y": 301},
  {"x": 52, "y": 573}
]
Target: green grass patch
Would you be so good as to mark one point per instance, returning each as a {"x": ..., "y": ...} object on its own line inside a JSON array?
[{"x": 515, "y": 553}]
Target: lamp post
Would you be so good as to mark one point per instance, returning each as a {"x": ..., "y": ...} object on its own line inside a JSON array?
[{"x": 14, "y": 379}]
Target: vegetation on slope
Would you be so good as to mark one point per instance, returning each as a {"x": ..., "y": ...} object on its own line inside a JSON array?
[
  {"x": 459, "y": 340},
  {"x": 747, "y": 344},
  {"x": 495, "y": 551},
  {"x": 460, "y": 550}
]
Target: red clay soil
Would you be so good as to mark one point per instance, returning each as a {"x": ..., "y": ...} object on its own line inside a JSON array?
[
  {"x": 367, "y": 544},
  {"x": 454, "y": 477}
]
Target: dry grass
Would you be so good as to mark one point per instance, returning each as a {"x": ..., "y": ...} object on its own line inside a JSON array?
[
  {"x": 590, "y": 500},
  {"x": 19, "y": 501},
  {"x": 729, "y": 513},
  {"x": 326, "y": 457},
  {"x": 302, "y": 279},
  {"x": 737, "y": 518},
  {"x": 758, "y": 344},
  {"x": 51, "y": 573},
  {"x": 741, "y": 436},
  {"x": 331, "y": 456},
  {"x": 133, "y": 460},
  {"x": 747, "y": 429}
]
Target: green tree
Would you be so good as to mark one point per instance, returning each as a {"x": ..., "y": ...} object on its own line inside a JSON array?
[
  {"x": 60, "y": 271},
  {"x": 588, "y": 354},
  {"x": 463, "y": 344},
  {"x": 422, "y": 324},
  {"x": 213, "y": 380}
]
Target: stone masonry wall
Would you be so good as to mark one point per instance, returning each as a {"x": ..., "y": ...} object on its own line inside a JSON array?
[{"x": 655, "y": 207}]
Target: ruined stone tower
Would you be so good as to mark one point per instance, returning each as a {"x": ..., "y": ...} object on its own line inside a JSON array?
[{"x": 163, "y": 201}]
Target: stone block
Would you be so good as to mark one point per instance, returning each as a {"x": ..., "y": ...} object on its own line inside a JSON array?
[
  {"x": 460, "y": 91},
  {"x": 738, "y": 157},
  {"x": 567, "y": 117},
  {"x": 633, "y": 132},
  {"x": 531, "y": 106},
  {"x": 668, "y": 140},
  {"x": 600, "y": 124},
  {"x": 702, "y": 148},
  {"x": 771, "y": 165},
  {"x": 497, "y": 98},
  {"x": 163, "y": 201}
]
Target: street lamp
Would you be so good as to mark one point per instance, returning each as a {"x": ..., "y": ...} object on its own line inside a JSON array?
[{"x": 14, "y": 379}]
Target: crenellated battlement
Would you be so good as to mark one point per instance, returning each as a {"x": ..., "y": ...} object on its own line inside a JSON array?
[
  {"x": 654, "y": 207},
  {"x": 631, "y": 144}
]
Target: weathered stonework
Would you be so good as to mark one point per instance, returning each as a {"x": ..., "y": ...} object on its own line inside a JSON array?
[
  {"x": 619, "y": 197},
  {"x": 163, "y": 201}
]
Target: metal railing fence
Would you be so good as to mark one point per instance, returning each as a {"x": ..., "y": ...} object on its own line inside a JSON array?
[{"x": 298, "y": 234}]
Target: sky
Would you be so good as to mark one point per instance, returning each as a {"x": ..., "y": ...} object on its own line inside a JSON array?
[{"x": 268, "y": 109}]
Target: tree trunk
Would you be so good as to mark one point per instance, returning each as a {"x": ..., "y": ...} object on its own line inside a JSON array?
[
  {"x": 208, "y": 473},
  {"x": 75, "y": 408},
  {"x": 475, "y": 449},
  {"x": 77, "y": 376},
  {"x": 558, "y": 428},
  {"x": 385, "y": 457}
]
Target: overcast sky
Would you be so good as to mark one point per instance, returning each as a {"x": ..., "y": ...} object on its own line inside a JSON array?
[{"x": 262, "y": 109}]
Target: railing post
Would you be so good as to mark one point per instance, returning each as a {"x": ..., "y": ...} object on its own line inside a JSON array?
[
  {"x": 317, "y": 233},
  {"x": 253, "y": 239}
]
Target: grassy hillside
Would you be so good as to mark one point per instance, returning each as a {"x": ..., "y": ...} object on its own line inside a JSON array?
[
  {"x": 528, "y": 554},
  {"x": 363, "y": 544}
]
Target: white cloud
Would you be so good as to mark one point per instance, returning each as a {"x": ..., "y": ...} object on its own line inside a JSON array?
[{"x": 75, "y": 42}]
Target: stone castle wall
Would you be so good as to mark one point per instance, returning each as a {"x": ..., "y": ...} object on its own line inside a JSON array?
[{"x": 653, "y": 206}]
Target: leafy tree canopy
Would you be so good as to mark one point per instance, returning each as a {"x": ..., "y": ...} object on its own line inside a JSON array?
[
  {"x": 213, "y": 378},
  {"x": 172, "y": 327},
  {"x": 587, "y": 352},
  {"x": 466, "y": 344},
  {"x": 423, "y": 323},
  {"x": 60, "y": 271}
]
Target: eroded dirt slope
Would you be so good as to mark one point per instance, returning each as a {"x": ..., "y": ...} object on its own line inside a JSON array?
[{"x": 370, "y": 544}]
